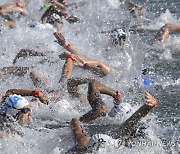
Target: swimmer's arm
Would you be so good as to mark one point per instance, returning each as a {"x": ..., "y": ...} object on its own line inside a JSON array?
[
  {"x": 163, "y": 33},
  {"x": 61, "y": 41},
  {"x": 78, "y": 81},
  {"x": 58, "y": 4},
  {"x": 16, "y": 70},
  {"x": 128, "y": 126},
  {"x": 10, "y": 6},
  {"x": 17, "y": 9},
  {"x": 80, "y": 137},
  {"x": 27, "y": 52},
  {"x": 24, "y": 92},
  {"x": 108, "y": 91},
  {"x": 72, "y": 49},
  {"x": 67, "y": 70},
  {"x": 132, "y": 4}
]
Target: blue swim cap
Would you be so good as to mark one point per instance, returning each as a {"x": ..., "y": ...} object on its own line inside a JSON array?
[
  {"x": 147, "y": 83},
  {"x": 14, "y": 103}
]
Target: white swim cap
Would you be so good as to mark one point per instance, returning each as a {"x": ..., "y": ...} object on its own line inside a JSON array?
[
  {"x": 118, "y": 36},
  {"x": 123, "y": 108},
  {"x": 56, "y": 16},
  {"x": 16, "y": 101},
  {"x": 13, "y": 103},
  {"x": 98, "y": 140}
]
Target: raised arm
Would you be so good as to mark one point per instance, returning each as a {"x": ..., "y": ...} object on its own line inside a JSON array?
[
  {"x": 61, "y": 41},
  {"x": 67, "y": 68},
  {"x": 128, "y": 126},
  {"x": 23, "y": 92}
]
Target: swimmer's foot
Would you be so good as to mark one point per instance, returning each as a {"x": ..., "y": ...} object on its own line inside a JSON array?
[
  {"x": 60, "y": 38},
  {"x": 151, "y": 101},
  {"x": 43, "y": 98}
]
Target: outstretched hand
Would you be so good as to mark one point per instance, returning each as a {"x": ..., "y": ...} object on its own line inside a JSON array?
[
  {"x": 43, "y": 98},
  {"x": 151, "y": 101},
  {"x": 60, "y": 38}
]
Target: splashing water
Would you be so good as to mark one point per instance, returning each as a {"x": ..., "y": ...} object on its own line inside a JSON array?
[{"x": 49, "y": 131}]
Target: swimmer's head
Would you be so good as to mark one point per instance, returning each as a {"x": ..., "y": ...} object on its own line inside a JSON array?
[
  {"x": 96, "y": 141},
  {"x": 123, "y": 109},
  {"x": 145, "y": 71},
  {"x": 14, "y": 103},
  {"x": 118, "y": 36}
]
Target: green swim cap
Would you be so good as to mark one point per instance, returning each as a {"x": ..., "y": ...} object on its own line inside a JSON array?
[{"x": 45, "y": 6}]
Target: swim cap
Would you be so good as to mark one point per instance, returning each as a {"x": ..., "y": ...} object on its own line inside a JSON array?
[
  {"x": 147, "y": 83},
  {"x": 145, "y": 71},
  {"x": 117, "y": 36},
  {"x": 13, "y": 103},
  {"x": 45, "y": 6},
  {"x": 123, "y": 108},
  {"x": 55, "y": 17},
  {"x": 98, "y": 140}
]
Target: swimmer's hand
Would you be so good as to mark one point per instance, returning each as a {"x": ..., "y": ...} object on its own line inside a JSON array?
[
  {"x": 60, "y": 38},
  {"x": 117, "y": 98},
  {"x": 151, "y": 101},
  {"x": 42, "y": 98}
]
